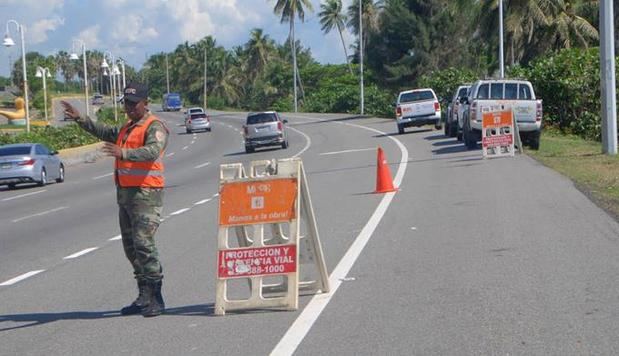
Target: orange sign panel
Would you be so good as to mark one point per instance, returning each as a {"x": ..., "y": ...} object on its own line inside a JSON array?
[
  {"x": 497, "y": 119},
  {"x": 257, "y": 202}
]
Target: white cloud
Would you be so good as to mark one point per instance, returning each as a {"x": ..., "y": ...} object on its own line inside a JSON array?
[
  {"x": 37, "y": 33},
  {"x": 90, "y": 37},
  {"x": 131, "y": 29}
]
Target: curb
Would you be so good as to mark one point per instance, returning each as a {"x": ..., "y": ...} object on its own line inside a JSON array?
[{"x": 82, "y": 154}]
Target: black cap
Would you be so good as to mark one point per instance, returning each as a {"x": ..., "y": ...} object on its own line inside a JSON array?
[{"x": 135, "y": 92}]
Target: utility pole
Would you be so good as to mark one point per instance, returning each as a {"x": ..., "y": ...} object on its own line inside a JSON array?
[
  {"x": 294, "y": 60},
  {"x": 607, "y": 66},
  {"x": 167, "y": 73},
  {"x": 205, "y": 77},
  {"x": 361, "y": 54},
  {"x": 501, "y": 60}
]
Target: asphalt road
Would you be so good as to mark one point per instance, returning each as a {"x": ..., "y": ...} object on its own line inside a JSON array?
[{"x": 469, "y": 257}]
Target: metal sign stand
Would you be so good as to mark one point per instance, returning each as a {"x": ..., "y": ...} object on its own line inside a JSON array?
[{"x": 497, "y": 133}]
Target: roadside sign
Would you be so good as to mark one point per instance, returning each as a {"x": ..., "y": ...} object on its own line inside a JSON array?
[
  {"x": 497, "y": 133},
  {"x": 262, "y": 261},
  {"x": 257, "y": 202},
  {"x": 266, "y": 210}
]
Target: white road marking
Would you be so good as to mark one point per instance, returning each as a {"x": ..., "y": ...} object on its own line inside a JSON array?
[
  {"x": 40, "y": 214},
  {"x": 186, "y": 147},
  {"x": 103, "y": 176},
  {"x": 216, "y": 195},
  {"x": 179, "y": 211},
  {"x": 80, "y": 253},
  {"x": 21, "y": 278},
  {"x": 192, "y": 142},
  {"x": 170, "y": 154},
  {"x": 116, "y": 238},
  {"x": 413, "y": 228},
  {"x": 202, "y": 201},
  {"x": 301, "y": 326},
  {"x": 202, "y": 165},
  {"x": 307, "y": 139},
  {"x": 348, "y": 151},
  {"x": 24, "y": 195}
]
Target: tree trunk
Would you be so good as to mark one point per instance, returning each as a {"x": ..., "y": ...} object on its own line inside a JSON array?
[{"x": 345, "y": 51}]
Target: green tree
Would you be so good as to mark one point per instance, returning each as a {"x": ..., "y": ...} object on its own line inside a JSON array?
[
  {"x": 332, "y": 17},
  {"x": 288, "y": 10}
]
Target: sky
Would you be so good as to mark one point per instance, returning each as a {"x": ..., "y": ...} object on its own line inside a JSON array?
[{"x": 135, "y": 30}]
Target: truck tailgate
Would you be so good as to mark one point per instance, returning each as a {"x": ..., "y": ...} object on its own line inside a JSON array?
[
  {"x": 524, "y": 110},
  {"x": 420, "y": 108}
]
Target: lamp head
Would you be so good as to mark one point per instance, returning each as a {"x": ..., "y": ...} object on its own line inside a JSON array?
[
  {"x": 74, "y": 56},
  {"x": 8, "y": 41},
  {"x": 105, "y": 71},
  {"x": 104, "y": 64},
  {"x": 39, "y": 73}
]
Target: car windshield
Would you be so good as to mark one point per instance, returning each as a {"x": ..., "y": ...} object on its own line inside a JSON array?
[
  {"x": 198, "y": 116},
  {"x": 261, "y": 119},
  {"x": 462, "y": 92},
  {"x": 13, "y": 151},
  {"x": 416, "y": 96}
]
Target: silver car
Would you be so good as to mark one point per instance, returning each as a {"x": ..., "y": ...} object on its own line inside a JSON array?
[
  {"x": 264, "y": 129},
  {"x": 197, "y": 121},
  {"x": 29, "y": 163}
]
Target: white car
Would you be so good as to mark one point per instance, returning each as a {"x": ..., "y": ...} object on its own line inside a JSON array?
[
  {"x": 417, "y": 107},
  {"x": 487, "y": 95},
  {"x": 195, "y": 110},
  {"x": 454, "y": 110}
]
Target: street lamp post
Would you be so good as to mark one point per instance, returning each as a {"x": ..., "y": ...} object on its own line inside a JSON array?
[
  {"x": 167, "y": 73},
  {"x": 74, "y": 56},
  {"x": 106, "y": 67},
  {"x": 122, "y": 67},
  {"x": 608, "y": 81},
  {"x": 362, "y": 109},
  {"x": 204, "y": 77},
  {"x": 501, "y": 60},
  {"x": 8, "y": 42},
  {"x": 43, "y": 72}
]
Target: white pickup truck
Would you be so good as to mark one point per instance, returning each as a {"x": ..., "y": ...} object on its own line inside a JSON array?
[
  {"x": 501, "y": 94},
  {"x": 417, "y": 107}
]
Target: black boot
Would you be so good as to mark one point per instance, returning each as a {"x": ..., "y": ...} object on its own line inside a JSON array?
[
  {"x": 138, "y": 303},
  {"x": 155, "y": 306}
]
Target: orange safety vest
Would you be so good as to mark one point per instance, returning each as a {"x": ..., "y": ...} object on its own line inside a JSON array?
[{"x": 147, "y": 174}]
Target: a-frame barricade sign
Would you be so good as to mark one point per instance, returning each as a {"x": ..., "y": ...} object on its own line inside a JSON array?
[
  {"x": 497, "y": 133},
  {"x": 271, "y": 214}
]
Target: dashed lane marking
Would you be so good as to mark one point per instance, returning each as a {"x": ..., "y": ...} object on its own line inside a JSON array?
[
  {"x": 347, "y": 151},
  {"x": 80, "y": 253},
  {"x": 202, "y": 165},
  {"x": 178, "y": 212},
  {"x": 170, "y": 154},
  {"x": 40, "y": 214},
  {"x": 103, "y": 176},
  {"x": 186, "y": 147},
  {"x": 24, "y": 195},
  {"x": 203, "y": 201},
  {"x": 116, "y": 238},
  {"x": 21, "y": 277}
]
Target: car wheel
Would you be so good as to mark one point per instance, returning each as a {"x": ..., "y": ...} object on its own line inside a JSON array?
[
  {"x": 11, "y": 186},
  {"x": 60, "y": 178},
  {"x": 469, "y": 141},
  {"x": 400, "y": 129},
  {"x": 438, "y": 126},
  {"x": 43, "y": 180},
  {"x": 453, "y": 130},
  {"x": 209, "y": 129},
  {"x": 189, "y": 131},
  {"x": 249, "y": 149},
  {"x": 534, "y": 140},
  {"x": 285, "y": 144},
  {"x": 446, "y": 128}
]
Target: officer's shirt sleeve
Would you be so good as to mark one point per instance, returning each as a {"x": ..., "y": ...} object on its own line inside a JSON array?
[
  {"x": 154, "y": 144},
  {"x": 99, "y": 130}
]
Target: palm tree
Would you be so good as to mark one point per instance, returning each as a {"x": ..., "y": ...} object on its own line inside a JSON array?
[
  {"x": 288, "y": 9},
  {"x": 259, "y": 49},
  {"x": 331, "y": 17}
]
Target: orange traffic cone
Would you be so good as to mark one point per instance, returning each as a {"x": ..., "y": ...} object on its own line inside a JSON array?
[{"x": 384, "y": 183}]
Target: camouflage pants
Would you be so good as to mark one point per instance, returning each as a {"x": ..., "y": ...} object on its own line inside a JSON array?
[{"x": 138, "y": 224}]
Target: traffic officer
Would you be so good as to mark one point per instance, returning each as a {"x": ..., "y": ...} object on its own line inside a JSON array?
[{"x": 138, "y": 148}]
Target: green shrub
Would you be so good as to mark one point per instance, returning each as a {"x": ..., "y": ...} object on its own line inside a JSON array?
[
  {"x": 568, "y": 82},
  {"x": 445, "y": 82}
]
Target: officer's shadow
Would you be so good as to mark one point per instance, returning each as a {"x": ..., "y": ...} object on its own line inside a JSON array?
[{"x": 37, "y": 319}]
